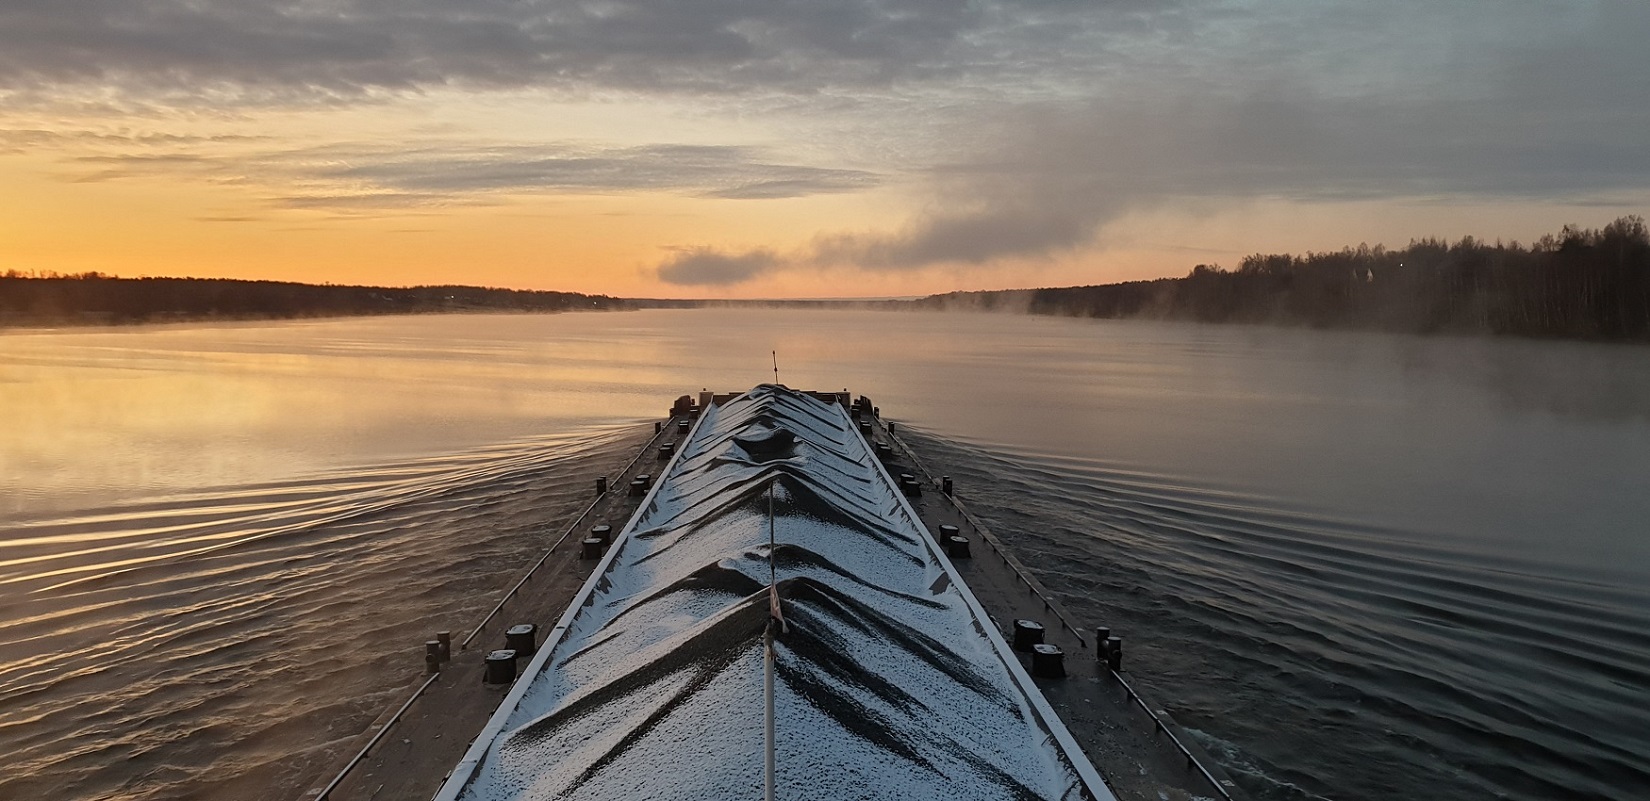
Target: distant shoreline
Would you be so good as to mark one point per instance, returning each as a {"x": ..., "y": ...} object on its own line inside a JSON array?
[
  {"x": 21, "y": 323},
  {"x": 99, "y": 300},
  {"x": 1579, "y": 284}
]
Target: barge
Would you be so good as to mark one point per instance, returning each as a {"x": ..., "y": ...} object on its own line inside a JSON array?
[{"x": 792, "y": 608}]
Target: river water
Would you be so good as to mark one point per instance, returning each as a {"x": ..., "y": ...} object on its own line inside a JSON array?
[{"x": 1355, "y": 566}]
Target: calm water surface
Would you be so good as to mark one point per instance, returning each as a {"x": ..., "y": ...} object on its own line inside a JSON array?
[{"x": 1356, "y": 566}]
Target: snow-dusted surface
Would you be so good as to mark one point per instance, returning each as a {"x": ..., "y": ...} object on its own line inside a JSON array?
[{"x": 889, "y": 687}]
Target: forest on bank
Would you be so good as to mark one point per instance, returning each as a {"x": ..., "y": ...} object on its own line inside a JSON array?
[
  {"x": 1579, "y": 283},
  {"x": 93, "y": 298}
]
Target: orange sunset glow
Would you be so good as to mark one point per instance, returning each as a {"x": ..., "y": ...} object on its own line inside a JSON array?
[{"x": 878, "y": 149}]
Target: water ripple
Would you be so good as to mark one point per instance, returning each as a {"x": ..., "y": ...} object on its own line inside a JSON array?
[
  {"x": 226, "y": 643},
  {"x": 1298, "y": 645}
]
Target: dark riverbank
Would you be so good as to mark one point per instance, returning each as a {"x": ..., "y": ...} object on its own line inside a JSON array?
[
  {"x": 1578, "y": 284},
  {"x": 94, "y": 299},
  {"x": 1588, "y": 284}
]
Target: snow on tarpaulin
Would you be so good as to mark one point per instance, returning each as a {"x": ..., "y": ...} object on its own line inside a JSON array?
[{"x": 889, "y": 686}]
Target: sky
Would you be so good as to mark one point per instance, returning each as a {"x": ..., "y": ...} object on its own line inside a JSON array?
[{"x": 800, "y": 148}]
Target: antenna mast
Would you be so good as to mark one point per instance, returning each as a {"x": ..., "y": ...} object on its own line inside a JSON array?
[
  {"x": 775, "y": 366},
  {"x": 775, "y": 620}
]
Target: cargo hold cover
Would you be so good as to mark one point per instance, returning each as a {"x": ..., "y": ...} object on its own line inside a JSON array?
[{"x": 890, "y": 681}]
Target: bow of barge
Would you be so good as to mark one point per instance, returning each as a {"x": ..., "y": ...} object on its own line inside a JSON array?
[
  {"x": 890, "y": 680},
  {"x": 893, "y": 676}
]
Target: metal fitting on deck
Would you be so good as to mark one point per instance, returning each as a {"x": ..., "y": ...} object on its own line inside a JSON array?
[
  {"x": 603, "y": 532},
  {"x": 1111, "y": 649},
  {"x": 601, "y": 485},
  {"x": 522, "y": 638},
  {"x": 1048, "y": 661},
  {"x": 1027, "y": 633},
  {"x": 501, "y": 667}
]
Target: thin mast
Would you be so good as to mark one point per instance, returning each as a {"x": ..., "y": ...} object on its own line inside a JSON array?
[
  {"x": 767, "y": 645},
  {"x": 775, "y": 375}
]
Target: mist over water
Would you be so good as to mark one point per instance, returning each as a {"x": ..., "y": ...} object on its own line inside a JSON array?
[{"x": 1357, "y": 566}]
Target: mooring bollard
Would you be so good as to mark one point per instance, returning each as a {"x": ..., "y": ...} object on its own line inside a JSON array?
[
  {"x": 666, "y": 450},
  {"x": 1048, "y": 661},
  {"x": 1114, "y": 653},
  {"x": 522, "y": 638},
  {"x": 446, "y": 640},
  {"x": 947, "y": 531},
  {"x": 945, "y": 485},
  {"x": 501, "y": 667},
  {"x": 1026, "y": 634},
  {"x": 603, "y": 532},
  {"x": 601, "y": 485},
  {"x": 890, "y": 429},
  {"x": 957, "y": 548},
  {"x": 592, "y": 549},
  {"x": 658, "y": 425},
  {"x": 432, "y": 657},
  {"x": 638, "y": 487}
]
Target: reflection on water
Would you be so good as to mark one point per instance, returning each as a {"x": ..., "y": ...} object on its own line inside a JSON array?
[{"x": 1302, "y": 504}]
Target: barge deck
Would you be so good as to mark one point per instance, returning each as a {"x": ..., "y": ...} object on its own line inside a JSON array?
[{"x": 409, "y": 753}]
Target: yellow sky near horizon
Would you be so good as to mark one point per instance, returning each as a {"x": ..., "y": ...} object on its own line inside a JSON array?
[
  {"x": 167, "y": 224},
  {"x": 172, "y": 225}
]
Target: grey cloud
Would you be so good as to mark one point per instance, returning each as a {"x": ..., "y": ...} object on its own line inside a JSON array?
[
  {"x": 368, "y": 201},
  {"x": 777, "y": 188},
  {"x": 352, "y": 46},
  {"x": 26, "y": 139},
  {"x": 709, "y": 267},
  {"x": 710, "y": 171},
  {"x": 356, "y": 176},
  {"x": 1555, "y": 118},
  {"x": 974, "y": 237}
]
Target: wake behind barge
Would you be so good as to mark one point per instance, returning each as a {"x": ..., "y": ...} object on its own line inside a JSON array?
[{"x": 903, "y": 666}]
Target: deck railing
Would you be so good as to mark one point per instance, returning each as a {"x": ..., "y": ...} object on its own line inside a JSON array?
[
  {"x": 1036, "y": 589},
  {"x": 429, "y": 682}
]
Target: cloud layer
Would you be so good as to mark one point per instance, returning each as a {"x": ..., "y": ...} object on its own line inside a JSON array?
[
  {"x": 1554, "y": 117},
  {"x": 354, "y": 46},
  {"x": 362, "y": 176},
  {"x": 1017, "y": 129}
]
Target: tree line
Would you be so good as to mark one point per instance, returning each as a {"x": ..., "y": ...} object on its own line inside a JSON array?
[
  {"x": 53, "y": 299},
  {"x": 1580, "y": 283}
]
